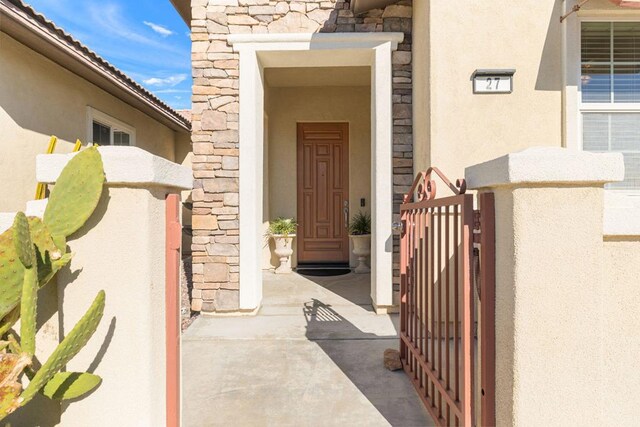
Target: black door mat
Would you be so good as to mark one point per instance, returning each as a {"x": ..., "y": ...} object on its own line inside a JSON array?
[{"x": 323, "y": 271}]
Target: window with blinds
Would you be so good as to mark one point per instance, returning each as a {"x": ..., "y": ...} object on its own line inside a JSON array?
[
  {"x": 108, "y": 135},
  {"x": 610, "y": 89}
]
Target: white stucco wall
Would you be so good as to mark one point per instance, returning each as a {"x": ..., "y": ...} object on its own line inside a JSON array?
[
  {"x": 566, "y": 326},
  {"x": 288, "y": 106},
  {"x": 39, "y": 98}
]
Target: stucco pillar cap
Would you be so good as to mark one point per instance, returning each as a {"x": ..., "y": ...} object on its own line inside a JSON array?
[
  {"x": 547, "y": 165},
  {"x": 129, "y": 166}
]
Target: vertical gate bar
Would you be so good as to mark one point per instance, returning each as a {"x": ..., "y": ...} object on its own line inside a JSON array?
[
  {"x": 173, "y": 239},
  {"x": 409, "y": 284},
  {"x": 410, "y": 287},
  {"x": 467, "y": 312},
  {"x": 423, "y": 228},
  {"x": 431, "y": 283},
  {"x": 425, "y": 307},
  {"x": 425, "y": 286},
  {"x": 425, "y": 294},
  {"x": 456, "y": 302},
  {"x": 440, "y": 277},
  {"x": 447, "y": 302},
  {"x": 416, "y": 312},
  {"x": 488, "y": 317},
  {"x": 403, "y": 284},
  {"x": 420, "y": 282},
  {"x": 414, "y": 286}
]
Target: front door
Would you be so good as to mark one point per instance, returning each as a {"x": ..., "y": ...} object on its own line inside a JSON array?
[{"x": 323, "y": 192}]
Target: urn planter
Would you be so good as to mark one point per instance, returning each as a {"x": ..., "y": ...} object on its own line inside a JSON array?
[
  {"x": 284, "y": 250},
  {"x": 361, "y": 249}
]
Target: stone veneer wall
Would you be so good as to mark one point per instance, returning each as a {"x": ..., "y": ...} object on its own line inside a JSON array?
[{"x": 216, "y": 265}]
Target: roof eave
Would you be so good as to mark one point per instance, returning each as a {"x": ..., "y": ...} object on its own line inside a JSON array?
[
  {"x": 184, "y": 9},
  {"x": 29, "y": 33}
]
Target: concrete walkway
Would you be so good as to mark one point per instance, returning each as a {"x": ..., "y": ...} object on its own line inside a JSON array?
[{"x": 312, "y": 357}]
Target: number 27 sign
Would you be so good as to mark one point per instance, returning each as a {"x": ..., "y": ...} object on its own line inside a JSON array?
[{"x": 490, "y": 81}]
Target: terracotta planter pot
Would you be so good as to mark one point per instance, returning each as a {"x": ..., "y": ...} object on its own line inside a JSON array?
[
  {"x": 361, "y": 249},
  {"x": 284, "y": 250}
]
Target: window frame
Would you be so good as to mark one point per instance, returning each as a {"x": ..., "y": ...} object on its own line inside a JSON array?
[
  {"x": 113, "y": 124},
  {"x": 596, "y": 107}
]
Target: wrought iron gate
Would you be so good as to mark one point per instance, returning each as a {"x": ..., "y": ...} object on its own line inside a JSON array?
[{"x": 447, "y": 272}]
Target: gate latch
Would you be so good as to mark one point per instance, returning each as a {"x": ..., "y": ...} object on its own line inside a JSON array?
[{"x": 398, "y": 227}]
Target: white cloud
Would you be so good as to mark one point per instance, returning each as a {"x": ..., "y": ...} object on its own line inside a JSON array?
[
  {"x": 163, "y": 31},
  {"x": 172, "y": 91},
  {"x": 167, "y": 81}
]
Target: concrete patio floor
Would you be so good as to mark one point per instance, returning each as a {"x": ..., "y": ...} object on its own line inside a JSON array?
[{"x": 311, "y": 357}]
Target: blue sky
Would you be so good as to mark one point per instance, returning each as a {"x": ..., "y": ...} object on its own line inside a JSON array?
[{"x": 146, "y": 39}]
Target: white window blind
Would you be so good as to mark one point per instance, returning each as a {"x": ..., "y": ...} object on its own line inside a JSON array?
[{"x": 610, "y": 92}]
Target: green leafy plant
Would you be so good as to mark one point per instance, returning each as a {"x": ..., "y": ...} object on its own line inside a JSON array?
[
  {"x": 360, "y": 224},
  {"x": 283, "y": 227},
  {"x": 31, "y": 252}
]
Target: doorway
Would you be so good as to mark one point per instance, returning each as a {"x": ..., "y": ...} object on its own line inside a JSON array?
[
  {"x": 323, "y": 193},
  {"x": 261, "y": 52}
]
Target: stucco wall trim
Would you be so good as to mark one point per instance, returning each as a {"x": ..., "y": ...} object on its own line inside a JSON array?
[
  {"x": 123, "y": 165},
  {"x": 547, "y": 165}
]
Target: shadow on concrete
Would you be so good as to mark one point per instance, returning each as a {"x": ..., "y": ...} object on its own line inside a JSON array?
[
  {"x": 359, "y": 355},
  {"x": 355, "y": 288}
]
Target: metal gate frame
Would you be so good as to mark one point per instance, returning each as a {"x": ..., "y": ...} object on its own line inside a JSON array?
[
  {"x": 446, "y": 387},
  {"x": 173, "y": 239}
]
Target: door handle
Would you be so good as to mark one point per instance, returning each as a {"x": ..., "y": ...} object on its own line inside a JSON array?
[{"x": 346, "y": 214}]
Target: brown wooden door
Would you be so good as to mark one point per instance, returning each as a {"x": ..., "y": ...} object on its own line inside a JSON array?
[{"x": 323, "y": 189}]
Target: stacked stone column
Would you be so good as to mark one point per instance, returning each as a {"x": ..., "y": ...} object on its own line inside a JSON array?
[{"x": 216, "y": 265}]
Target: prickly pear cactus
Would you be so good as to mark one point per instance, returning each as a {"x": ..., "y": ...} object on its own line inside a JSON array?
[
  {"x": 22, "y": 240},
  {"x": 69, "y": 347},
  {"x": 11, "y": 273},
  {"x": 76, "y": 193},
  {"x": 32, "y": 251},
  {"x": 49, "y": 257},
  {"x": 27, "y": 255},
  {"x": 70, "y": 385},
  {"x": 72, "y": 201}
]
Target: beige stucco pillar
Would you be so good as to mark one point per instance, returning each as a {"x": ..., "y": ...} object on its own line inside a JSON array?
[
  {"x": 121, "y": 249},
  {"x": 551, "y": 339}
]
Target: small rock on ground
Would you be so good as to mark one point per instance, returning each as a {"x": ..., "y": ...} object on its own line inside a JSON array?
[{"x": 392, "y": 359}]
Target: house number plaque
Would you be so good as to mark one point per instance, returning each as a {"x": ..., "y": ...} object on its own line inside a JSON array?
[{"x": 493, "y": 81}]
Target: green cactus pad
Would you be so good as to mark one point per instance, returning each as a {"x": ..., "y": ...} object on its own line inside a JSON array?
[
  {"x": 22, "y": 240},
  {"x": 8, "y": 321},
  {"x": 49, "y": 268},
  {"x": 76, "y": 193},
  {"x": 12, "y": 270},
  {"x": 70, "y": 385},
  {"x": 60, "y": 242},
  {"x": 28, "y": 311},
  {"x": 43, "y": 239},
  {"x": 11, "y": 273},
  {"x": 68, "y": 348}
]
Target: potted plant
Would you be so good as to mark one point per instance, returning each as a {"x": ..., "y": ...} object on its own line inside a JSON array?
[
  {"x": 360, "y": 233},
  {"x": 283, "y": 230}
]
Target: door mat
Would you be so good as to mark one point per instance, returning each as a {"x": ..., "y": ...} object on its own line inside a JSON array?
[{"x": 323, "y": 271}]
